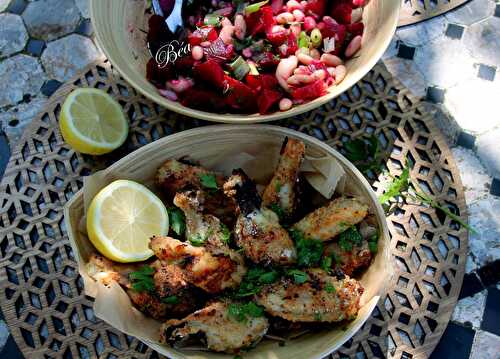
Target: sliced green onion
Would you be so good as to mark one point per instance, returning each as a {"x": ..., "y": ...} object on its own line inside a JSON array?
[
  {"x": 255, "y": 7},
  {"x": 304, "y": 40},
  {"x": 212, "y": 19},
  {"x": 253, "y": 69},
  {"x": 240, "y": 68},
  {"x": 316, "y": 37}
]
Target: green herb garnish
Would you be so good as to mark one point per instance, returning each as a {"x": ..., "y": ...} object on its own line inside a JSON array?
[
  {"x": 254, "y": 280},
  {"x": 197, "y": 240},
  {"x": 212, "y": 19},
  {"x": 317, "y": 316},
  {"x": 242, "y": 312},
  {"x": 239, "y": 67},
  {"x": 326, "y": 263},
  {"x": 173, "y": 299},
  {"x": 330, "y": 288},
  {"x": 142, "y": 279},
  {"x": 278, "y": 210},
  {"x": 255, "y": 7},
  {"x": 373, "y": 243},
  {"x": 309, "y": 251},
  {"x": 365, "y": 153},
  {"x": 208, "y": 181},
  {"x": 397, "y": 186},
  {"x": 177, "y": 220},
  {"x": 349, "y": 238},
  {"x": 298, "y": 276},
  {"x": 225, "y": 233}
]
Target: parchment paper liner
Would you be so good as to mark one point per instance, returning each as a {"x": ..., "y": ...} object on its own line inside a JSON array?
[{"x": 325, "y": 171}]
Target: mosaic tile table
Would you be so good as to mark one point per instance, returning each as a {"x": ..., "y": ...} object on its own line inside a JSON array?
[{"x": 55, "y": 45}]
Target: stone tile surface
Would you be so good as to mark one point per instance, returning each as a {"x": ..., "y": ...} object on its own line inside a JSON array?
[
  {"x": 64, "y": 57},
  {"x": 407, "y": 73},
  {"x": 470, "y": 310},
  {"x": 423, "y": 33},
  {"x": 83, "y": 6},
  {"x": 17, "y": 118},
  {"x": 13, "y": 34},
  {"x": 475, "y": 11},
  {"x": 4, "y": 4},
  {"x": 19, "y": 76},
  {"x": 485, "y": 346},
  {"x": 50, "y": 19},
  {"x": 483, "y": 39},
  {"x": 488, "y": 149}
]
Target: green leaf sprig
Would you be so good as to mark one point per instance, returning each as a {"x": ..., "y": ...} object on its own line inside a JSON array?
[
  {"x": 177, "y": 220},
  {"x": 241, "y": 312},
  {"x": 142, "y": 279},
  {"x": 364, "y": 153}
]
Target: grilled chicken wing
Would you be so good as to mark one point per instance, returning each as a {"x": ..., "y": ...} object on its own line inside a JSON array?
[
  {"x": 210, "y": 268},
  {"x": 281, "y": 190},
  {"x": 221, "y": 332},
  {"x": 168, "y": 281},
  {"x": 257, "y": 228},
  {"x": 326, "y": 222},
  {"x": 200, "y": 227},
  {"x": 323, "y": 298},
  {"x": 175, "y": 176},
  {"x": 349, "y": 261}
]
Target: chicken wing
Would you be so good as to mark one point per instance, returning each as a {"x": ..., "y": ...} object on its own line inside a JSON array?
[
  {"x": 322, "y": 298},
  {"x": 326, "y": 222},
  {"x": 257, "y": 228},
  {"x": 175, "y": 176},
  {"x": 169, "y": 282},
  {"x": 201, "y": 228},
  {"x": 280, "y": 191},
  {"x": 214, "y": 324},
  {"x": 210, "y": 268},
  {"x": 349, "y": 261}
]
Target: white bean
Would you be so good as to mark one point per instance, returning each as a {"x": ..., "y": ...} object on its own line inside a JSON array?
[
  {"x": 330, "y": 60},
  {"x": 340, "y": 72},
  {"x": 353, "y": 46},
  {"x": 315, "y": 54},
  {"x": 225, "y": 22},
  {"x": 226, "y": 34},
  {"x": 285, "y": 18},
  {"x": 285, "y": 69},
  {"x": 331, "y": 71},
  {"x": 240, "y": 27},
  {"x": 180, "y": 85},
  {"x": 319, "y": 75},
  {"x": 197, "y": 52},
  {"x": 302, "y": 50},
  {"x": 285, "y": 104},
  {"x": 356, "y": 15},
  {"x": 305, "y": 59},
  {"x": 295, "y": 29},
  {"x": 293, "y": 4},
  {"x": 299, "y": 79},
  {"x": 298, "y": 15}
]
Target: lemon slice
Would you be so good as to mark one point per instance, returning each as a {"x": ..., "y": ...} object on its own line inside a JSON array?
[
  {"x": 93, "y": 122},
  {"x": 122, "y": 218}
]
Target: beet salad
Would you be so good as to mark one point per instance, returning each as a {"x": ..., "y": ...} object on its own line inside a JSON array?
[{"x": 244, "y": 57}]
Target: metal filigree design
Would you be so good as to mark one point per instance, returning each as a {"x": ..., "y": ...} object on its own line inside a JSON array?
[
  {"x": 42, "y": 294},
  {"x": 413, "y": 11}
]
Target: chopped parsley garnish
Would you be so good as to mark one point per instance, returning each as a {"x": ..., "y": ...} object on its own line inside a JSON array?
[
  {"x": 225, "y": 233},
  {"x": 349, "y": 238},
  {"x": 298, "y": 276},
  {"x": 208, "y": 181},
  {"x": 277, "y": 186},
  {"x": 142, "y": 279},
  {"x": 365, "y": 153},
  {"x": 326, "y": 263},
  {"x": 373, "y": 243},
  {"x": 197, "y": 240},
  {"x": 177, "y": 220},
  {"x": 317, "y": 316},
  {"x": 278, "y": 210},
  {"x": 173, "y": 299},
  {"x": 254, "y": 280},
  {"x": 309, "y": 251},
  {"x": 242, "y": 312},
  {"x": 330, "y": 288}
]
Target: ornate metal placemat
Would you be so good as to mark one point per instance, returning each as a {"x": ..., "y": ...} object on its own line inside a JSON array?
[
  {"x": 413, "y": 11},
  {"x": 42, "y": 295}
]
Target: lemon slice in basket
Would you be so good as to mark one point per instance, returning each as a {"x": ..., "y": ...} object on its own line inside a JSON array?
[
  {"x": 122, "y": 218},
  {"x": 93, "y": 122}
]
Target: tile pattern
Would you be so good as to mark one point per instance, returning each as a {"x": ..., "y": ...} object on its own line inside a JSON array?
[{"x": 426, "y": 57}]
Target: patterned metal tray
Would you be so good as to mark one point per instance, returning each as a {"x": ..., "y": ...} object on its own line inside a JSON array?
[{"x": 42, "y": 295}]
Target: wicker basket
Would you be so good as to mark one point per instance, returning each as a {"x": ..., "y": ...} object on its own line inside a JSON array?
[
  {"x": 118, "y": 25},
  {"x": 210, "y": 145}
]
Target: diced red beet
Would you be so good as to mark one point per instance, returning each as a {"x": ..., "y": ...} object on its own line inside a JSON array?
[
  {"x": 262, "y": 81},
  {"x": 267, "y": 18},
  {"x": 292, "y": 44},
  {"x": 157, "y": 75},
  {"x": 276, "y": 5},
  {"x": 342, "y": 12},
  {"x": 205, "y": 33},
  {"x": 254, "y": 23},
  {"x": 267, "y": 98},
  {"x": 277, "y": 38},
  {"x": 218, "y": 51},
  {"x": 184, "y": 63},
  {"x": 202, "y": 99},
  {"x": 253, "y": 81},
  {"x": 240, "y": 96},
  {"x": 356, "y": 28},
  {"x": 332, "y": 29},
  {"x": 310, "y": 91},
  {"x": 358, "y": 3},
  {"x": 315, "y": 8},
  {"x": 210, "y": 72}
]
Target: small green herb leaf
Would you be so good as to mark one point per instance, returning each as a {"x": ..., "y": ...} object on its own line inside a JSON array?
[
  {"x": 373, "y": 243},
  {"x": 225, "y": 233},
  {"x": 330, "y": 288},
  {"x": 142, "y": 279},
  {"x": 278, "y": 210},
  {"x": 326, "y": 263},
  {"x": 349, "y": 238},
  {"x": 317, "y": 316},
  {"x": 255, "y": 7},
  {"x": 177, "y": 220},
  {"x": 173, "y": 299},
  {"x": 397, "y": 186},
  {"x": 309, "y": 251},
  {"x": 242, "y": 312},
  {"x": 298, "y": 276},
  {"x": 197, "y": 240},
  {"x": 208, "y": 181}
]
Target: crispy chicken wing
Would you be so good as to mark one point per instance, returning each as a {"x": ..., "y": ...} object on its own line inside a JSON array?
[
  {"x": 201, "y": 227},
  {"x": 175, "y": 176},
  {"x": 210, "y": 268},
  {"x": 257, "y": 229},
  {"x": 322, "y": 298},
  {"x": 168, "y": 281},
  {"x": 326, "y": 222},
  {"x": 349, "y": 261},
  {"x": 281, "y": 190},
  {"x": 221, "y": 332}
]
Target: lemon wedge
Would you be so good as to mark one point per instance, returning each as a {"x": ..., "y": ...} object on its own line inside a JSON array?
[
  {"x": 122, "y": 218},
  {"x": 92, "y": 122}
]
